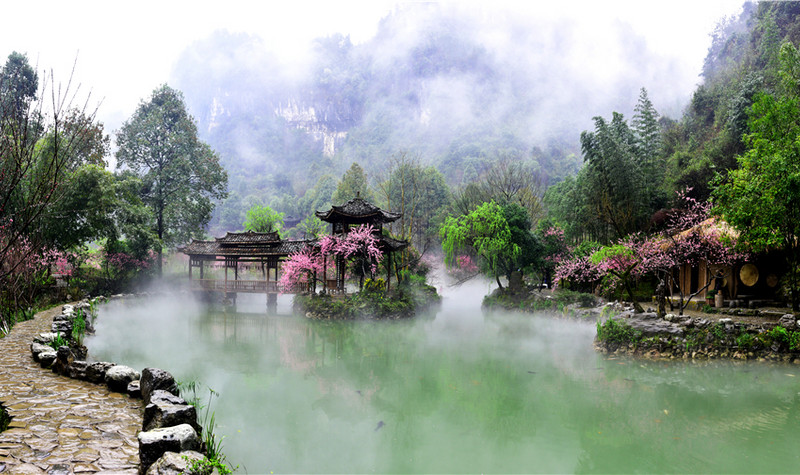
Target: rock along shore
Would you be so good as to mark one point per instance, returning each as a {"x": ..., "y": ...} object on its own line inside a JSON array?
[
  {"x": 775, "y": 338},
  {"x": 84, "y": 416}
]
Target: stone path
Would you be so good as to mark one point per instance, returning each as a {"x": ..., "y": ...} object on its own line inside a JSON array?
[{"x": 60, "y": 425}]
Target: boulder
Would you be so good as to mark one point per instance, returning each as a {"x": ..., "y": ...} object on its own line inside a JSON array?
[
  {"x": 63, "y": 327},
  {"x": 163, "y": 414},
  {"x": 172, "y": 463},
  {"x": 153, "y": 379},
  {"x": 96, "y": 372},
  {"x": 77, "y": 369},
  {"x": 64, "y": 359},
  {"x": 788, "y": 321},
  {"x": 134, "y": 389},
  {"x": 118, "y": 377},
  {"x": 155, "y": 443},
  {"x": 647, "y": 316},
  {"x": 47, "y": 358},
  {"x": 650, "y": 326},
  {"x": 45, "y": 338},
  {"x": 159, "y": 396},
  {"x": 38, "y": 348}
]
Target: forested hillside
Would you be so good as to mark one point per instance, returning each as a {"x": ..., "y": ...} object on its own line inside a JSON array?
[
  {"x": 453, "y": 90},
  {"x": 732, "y": 156}
]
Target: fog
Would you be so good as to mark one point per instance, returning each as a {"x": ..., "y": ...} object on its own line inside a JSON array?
[
  {"x": 444, "y": 81},
  {"x": 460, "y": 390}
]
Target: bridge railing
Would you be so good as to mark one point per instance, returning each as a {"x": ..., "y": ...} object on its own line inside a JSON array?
[{"x": 244, "y": 286}]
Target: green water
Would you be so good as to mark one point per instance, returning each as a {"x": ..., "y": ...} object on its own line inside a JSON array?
[{"x": 456, "y": 392}]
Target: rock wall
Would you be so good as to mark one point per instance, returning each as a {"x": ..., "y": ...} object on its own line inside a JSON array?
[
  {"x": 171, "y": 435},
  {"x": 688, "y": 337}
]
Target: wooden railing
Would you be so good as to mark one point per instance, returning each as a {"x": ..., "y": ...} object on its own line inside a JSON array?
[{"x": 244, "y": 286}]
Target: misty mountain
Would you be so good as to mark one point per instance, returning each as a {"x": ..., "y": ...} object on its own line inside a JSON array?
[{"x": 455, "y": 87}]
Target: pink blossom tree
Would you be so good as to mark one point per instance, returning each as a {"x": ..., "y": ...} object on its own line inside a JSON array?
[
  {"x": 26, "y": 269},
  {"x": 692, "y": 236},
  {"x": 359, "y": 245},
  {"x": 621, "y": 262},
  {"x": 301, "y": 269}
]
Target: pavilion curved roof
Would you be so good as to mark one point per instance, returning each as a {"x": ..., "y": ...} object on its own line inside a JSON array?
[
  {"x": 388, "y": 244},
  {"x": 251, "y": 249},
  {"x": 357, "y": 211},
  {"x": 249, "y": 237}
]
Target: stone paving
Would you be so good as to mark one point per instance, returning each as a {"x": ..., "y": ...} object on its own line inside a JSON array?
[{"x": 60, "y": 425}]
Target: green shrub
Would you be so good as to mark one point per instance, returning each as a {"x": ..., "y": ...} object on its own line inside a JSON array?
[
  {"x": 615, "y": 332},
  {"x": 58, "y": 342},
  {"x": 794, "y": 341},
  {"x": 377, "y": 286},
  {"x": 718, "y": 330},
  {"x": 79, "y": 326},
  {"x": 780, "y": 336},
  {"x": 745, "y": 341}
]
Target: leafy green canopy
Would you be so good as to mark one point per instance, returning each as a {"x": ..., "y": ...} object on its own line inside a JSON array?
[
  {"x": 180, "y": 174},
  {"x": 762, "y": 197},
  {"x": 499, "y": 234},
  {"x": 353, "y": 183},
  {"x": 263, "y": 219}
]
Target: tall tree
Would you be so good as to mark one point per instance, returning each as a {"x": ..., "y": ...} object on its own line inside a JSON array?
[
  {"x": 18, "y": 85},
  {"x": 39, "y": 147},
  {"x": 762, "y": 197},
  {"x": 418, "y": 193},
  {"x": 615, "y": 179},
  {"x": 352, "y": 184},
  {"x": 181, "y": 175},
  {"x": 499, "y": 234},
  {"x": 649, "y": 151},
  {"x": 263, "y": 219},
  {"x": 509, "y": 180}
]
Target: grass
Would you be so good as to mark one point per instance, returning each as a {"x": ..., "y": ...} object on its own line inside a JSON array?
[
  {"x": 612, "y": 332},
  {"x": 11, "y": 317},
  {"x": 214, "y": 458},
  {"x": 79, "y": 326},
  {"x": 58, "y": 342}
]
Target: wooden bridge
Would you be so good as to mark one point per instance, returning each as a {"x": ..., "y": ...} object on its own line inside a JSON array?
[
  {"x": 248, "y": 249},
  {"x": 266, "y": 250},
  {"x": 245, "y": 286}
]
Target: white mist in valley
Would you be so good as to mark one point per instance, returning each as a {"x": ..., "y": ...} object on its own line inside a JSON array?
[{"x": 308, "y": 396}]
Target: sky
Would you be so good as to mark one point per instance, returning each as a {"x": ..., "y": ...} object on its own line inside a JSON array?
[{"x": 122, "y": 51}]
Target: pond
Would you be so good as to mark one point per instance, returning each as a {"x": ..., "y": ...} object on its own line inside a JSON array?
[{"x": 458, "y": 391}]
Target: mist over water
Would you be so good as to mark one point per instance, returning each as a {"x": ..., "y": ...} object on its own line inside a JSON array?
[{"x": 458, "y": 391}]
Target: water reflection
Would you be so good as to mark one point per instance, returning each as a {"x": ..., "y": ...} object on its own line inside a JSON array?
[{"x": 461, "y": 392}]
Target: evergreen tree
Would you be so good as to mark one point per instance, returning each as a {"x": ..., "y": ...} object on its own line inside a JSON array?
[
  {"x": 615, "y": 177},
  {"x": 352, "y": 184},
  {"x": 649, "y": 151},
  {"x": 180, "y": 174}
]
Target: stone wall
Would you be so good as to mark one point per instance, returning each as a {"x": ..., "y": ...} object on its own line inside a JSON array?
[
  {"x": 170, "y": 438},
  {"x": 775, "y": 338}
]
